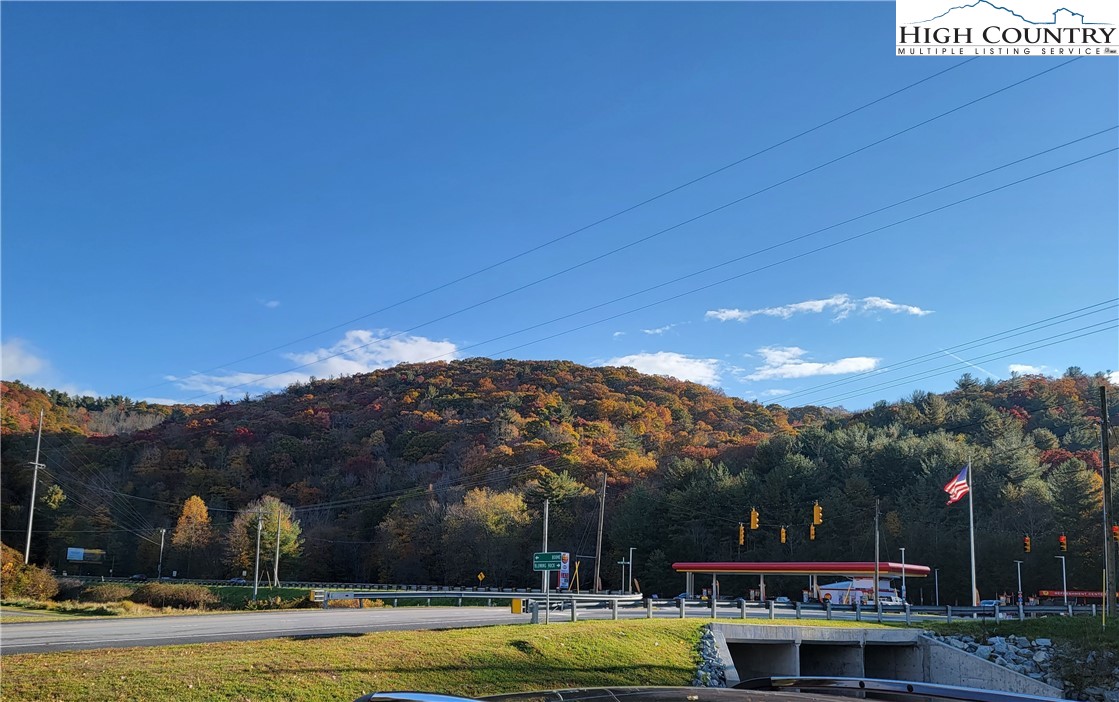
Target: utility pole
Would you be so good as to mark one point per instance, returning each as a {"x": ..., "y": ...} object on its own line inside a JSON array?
[
  {"x": 629, "y": 583},
  {"x": 1064, "y": 579},
  {"x": 1109, "y": 582},
  {"x": 936, "y": 584},
  {"x": 34, "y": 484},
  {"x": 903, "y": 575},
  {"x": 546, "y": 576},
  {"x": 876, "y": 552},
  {"x": 276, "y": 564},
  {"x": 256, "y": 572},
  {"x": 159, "y": 571},
  {"x": 598, "y": 547}
]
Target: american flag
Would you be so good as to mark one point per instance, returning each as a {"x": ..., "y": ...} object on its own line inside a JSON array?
[{"x": 957, "y": 487}]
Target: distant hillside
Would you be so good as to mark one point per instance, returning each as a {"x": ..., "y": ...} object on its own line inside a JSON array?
[
  {"x": 78, "y": 415},
  {"x": 435, "y": 472}
]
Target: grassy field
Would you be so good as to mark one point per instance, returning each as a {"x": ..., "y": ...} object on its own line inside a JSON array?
[{"x": 464, "y": 661}]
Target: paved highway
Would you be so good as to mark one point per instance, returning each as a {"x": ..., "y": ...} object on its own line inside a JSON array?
[{"x": 76, "y": 634}]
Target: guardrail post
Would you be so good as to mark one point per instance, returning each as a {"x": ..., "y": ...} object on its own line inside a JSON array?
[
  {"x": 460, "y": 600},
  {"x": 742, "y": 609},
  {"x": 613, "y": 609},
  {"x": 428, "y": 601},
  {"x": 858, "y": 610},
  {"x": 798, "y": 610},
  {"x": 489, "y": 601},
  {"x": 907, "y": 614},
  {"x": 948, "y": 613},
  {"x": 1021, "y": 613},
  {"x": 772, "y": 615},
  {"x": 649, "y": 608},
  {"x": 827, "y": 609},
  {"x": 574, "y": 615},
  {"x": 1070, "y": 610},
  {"x": 1093, "y": 610},
  {"x": 393, "y": 600},
  {"x": 714, "y": 606},
  {"x": 534, "y": 606},
  {"x": 325, "y": 601},
  {"x": 680, "y": 602},
  {"x": 878, "y": 607},
  {"x": 996, "y": 613}
]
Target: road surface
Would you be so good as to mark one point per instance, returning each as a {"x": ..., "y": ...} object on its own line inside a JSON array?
[{"x": 121, "y": 632}]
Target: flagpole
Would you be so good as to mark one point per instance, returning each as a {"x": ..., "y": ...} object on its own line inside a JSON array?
[{"x": 971, "y": 523}]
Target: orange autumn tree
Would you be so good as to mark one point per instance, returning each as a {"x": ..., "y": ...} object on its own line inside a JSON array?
[{"x": 194, "y": 529}]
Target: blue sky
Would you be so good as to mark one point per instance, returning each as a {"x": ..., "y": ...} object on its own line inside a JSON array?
[{"x": 190, "y": 187}]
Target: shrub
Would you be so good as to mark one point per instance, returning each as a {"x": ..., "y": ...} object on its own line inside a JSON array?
[
  {"x": 106, "y": 592},
  {"x": 19, "y": 580},
  {"x": 69, "y": 589},
  {"x": 180, "y": 596}
]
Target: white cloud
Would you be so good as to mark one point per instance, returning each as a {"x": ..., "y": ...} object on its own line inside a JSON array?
[
  {"x": 787, "y": 362},
  {"x": 658, "y": 330},
  {"x": 17, "y": 362},
  {"x": 677, "y": 365},
  {"x": 271, "y": 304},
  {"x": 881, "y": 303},
  {"x": 1023, "y": 369},
  {"x": 840, "y": 305},
  {"x": 359, "y": 351},
  {"x": 618, "y": 334},
  {"x": 775, "y": 392}
]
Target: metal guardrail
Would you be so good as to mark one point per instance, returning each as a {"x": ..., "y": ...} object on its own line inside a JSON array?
[{"x": 893, "y": 688}]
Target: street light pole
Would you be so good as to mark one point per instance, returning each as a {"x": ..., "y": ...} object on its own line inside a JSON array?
[
  {"x": 1019, "y": 564},
  {"x": 936, "y": 584},
  {"x": 903, "y": 575},
  {"x": 1064, "y": 580},
  {"x": 629, "y": 583}
]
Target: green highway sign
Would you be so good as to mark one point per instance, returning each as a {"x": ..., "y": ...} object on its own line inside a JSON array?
[{"x": 547, "y": 560}]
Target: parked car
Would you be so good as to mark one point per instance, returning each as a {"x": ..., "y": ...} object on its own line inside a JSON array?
[
  {"x": 782, "y": 600},
  {"x": 139, "y": 578},
  {"x": 238, "y": 581}
]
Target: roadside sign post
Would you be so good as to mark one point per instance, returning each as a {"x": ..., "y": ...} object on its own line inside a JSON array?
[{"x": 547, "y": 561}]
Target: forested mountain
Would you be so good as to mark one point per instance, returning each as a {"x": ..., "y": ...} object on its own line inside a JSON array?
[{"x": 432, "y": 473}]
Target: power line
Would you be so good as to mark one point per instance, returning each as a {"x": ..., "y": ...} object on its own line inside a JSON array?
[
  {"x": 800, "y": 255},
  {"x": 586, "y": 227},
  {"x": 981, "y": 341},
  {"x": 637, "y": 241},
  {"x": 990, "y": 357}
]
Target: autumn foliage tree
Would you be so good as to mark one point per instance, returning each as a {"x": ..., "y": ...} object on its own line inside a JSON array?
[
  {"x": 193, "y": 530},
  {"x": 270, "y": 512}
]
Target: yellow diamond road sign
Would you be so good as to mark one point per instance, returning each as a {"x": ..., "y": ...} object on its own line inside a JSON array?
[{"x": 481, "y": 576}]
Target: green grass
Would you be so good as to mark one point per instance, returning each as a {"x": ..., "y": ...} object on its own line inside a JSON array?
[
  {"x": 1085, "y": 633},
  {"x": 479, "y": 661}
]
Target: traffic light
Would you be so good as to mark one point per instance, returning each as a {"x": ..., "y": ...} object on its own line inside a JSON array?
[
  {"x": 753, "y": 519},
  {"x": 1062, "y": 542},
  {"x": 741, "y": 534},
  {"x": 1115, "y": 531},
  {"x": 817, "y": 514},
  {"x": 812, "y": 533},
  {"x": 782, "y": 534},
  {"x": 1026, "y": 543}
]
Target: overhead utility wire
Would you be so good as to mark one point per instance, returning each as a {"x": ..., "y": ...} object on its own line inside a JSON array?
[
  {"x": 481, "y": 303},
  {"x": 801, "y": 255},
  {"x": 772, "y": 247},
  {"x": 583, "y": 228},
  {"x": 981, "y": 341},
  {"x": 952, "y": 368}
]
